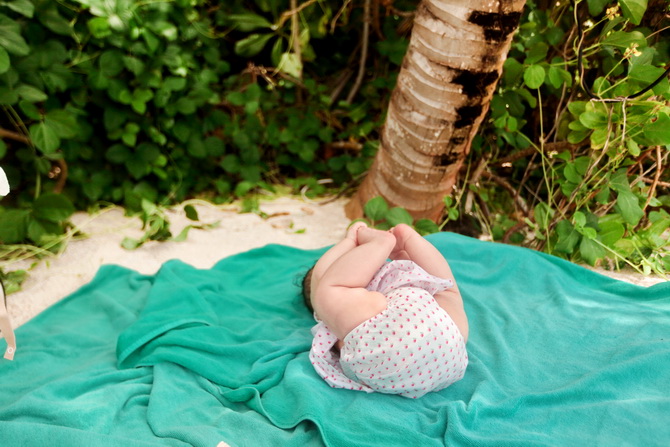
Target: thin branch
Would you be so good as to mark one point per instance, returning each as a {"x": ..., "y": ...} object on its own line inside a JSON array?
[
  {"x": 4, "y": 133},
  {"x": 657, "y": 177},
  {"x": 659, "y": 183},
  {"x": 295, "y": 31},
  {"x": 518, "y": 200},
  {"x": 548, "y": 148},
  {"x": 333, "y": 23},
  {"x": 346, "y": 145},
  {"x": 364, "y": 52},
  {"x": 293, "y": 12},
  {"x": 341, "y": 83},
  {"x": 473, "y": 181}
]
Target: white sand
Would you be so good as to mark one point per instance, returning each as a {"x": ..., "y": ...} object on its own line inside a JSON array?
[{"x": 291, "y": 221}]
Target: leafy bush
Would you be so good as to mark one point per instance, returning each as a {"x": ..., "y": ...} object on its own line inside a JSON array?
[
  {"x": 151, "y": 103},
  {"x": 577, "y": 143},
  {"x": 129, "y": 102}
]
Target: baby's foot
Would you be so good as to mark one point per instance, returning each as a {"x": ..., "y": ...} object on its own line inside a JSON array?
[
  {"x": 402, "y": 233},
  {"x": 352, "y": 231}
]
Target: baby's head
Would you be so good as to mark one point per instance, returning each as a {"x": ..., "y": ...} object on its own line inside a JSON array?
[{"x": 307, "y": 289}]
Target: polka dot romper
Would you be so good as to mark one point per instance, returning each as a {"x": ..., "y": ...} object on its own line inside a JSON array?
[{"x": 410, "y": 348}]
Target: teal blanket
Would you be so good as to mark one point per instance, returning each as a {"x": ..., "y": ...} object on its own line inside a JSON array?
[{"x": 559, "y": 355}]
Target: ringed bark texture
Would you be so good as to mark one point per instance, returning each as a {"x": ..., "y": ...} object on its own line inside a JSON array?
[{"x": 450, "y": 71}]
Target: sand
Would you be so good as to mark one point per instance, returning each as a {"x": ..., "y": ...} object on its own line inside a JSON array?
[{"x": 292, "y": 221}]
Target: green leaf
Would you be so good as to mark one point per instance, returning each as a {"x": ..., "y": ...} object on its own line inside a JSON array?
[
  {"x": 619, "y": 181},
  {"x": 599, "y": 137},
  {"x": 589, "y": 233},
  {"x": 536, "y": 53},
  {"x": 577, "y": 136},
  {"x": 596, "y": 6},
  {"x": 633, "y": 10},
  {"x": 543, "y": 214},
  {"x": 10, "y": 37},
  {"x": 39, "y": 230},
  {"x": 571, "y": 174},
  {"x": 130, "y": 244},
  {"x": 603, "y": 196},
  {"x": 252, "y": 45},
  {"x": 191, "y": 212},
  {"x": 568, "y": 237},
  {"x": 30, "y": 110},
  {"x": 23, "y": 7},
  {"x": 290, "y": 64},
  {"x": 426, "y": 226},
  {"x": 628, "y": 205},
  {"x": 137, "y": 167},
  {"x": 118, "y": 154},
  {"x": 591, "y": 251},
  {"x": 512, "y": 70},
  {"x": 140, "y": 98},
  {"x": 376, "y": 208},
  {"x": 633, "y": 148},
  {"x": 51, "y": 18},
  {"x": 534, "y": 76},
  {"x": 64, "y": 123},
  {"x": 277, "y": 51},
  {"x": 111, "y": 63},
  {"x": 53, "y": 207},
  {"x": 610, "y": 232},
  {"x": 30, "y": 93},
  {"x": 645, "y": 73},
  {"x": 658, "y": 131},
  {"x": 399, "y": 215},
  {"x": 183, "y": 234},
  {"x": 133, "y": 64},
  {"x": 13, "y": 226},
  {"x": 174, "y": 84},
  {"x": 593, "y": 120},
  {"x": 558, "y": 76},
  {"x": 44, "y": 137},
  {"x": 5, "y": 63},
  {"x": 99, "y": 27},
  {"x": 623, "y": 40},
  {"x": 248, "y": 22}
]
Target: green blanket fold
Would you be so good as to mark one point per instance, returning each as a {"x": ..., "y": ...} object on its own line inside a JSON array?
[{"x": 559, "y": 355}]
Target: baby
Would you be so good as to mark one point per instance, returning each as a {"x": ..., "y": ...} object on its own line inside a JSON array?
[{"x": 394, "y": 327}]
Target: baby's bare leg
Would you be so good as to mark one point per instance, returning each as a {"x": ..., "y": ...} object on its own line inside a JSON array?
[
  {"x": 347, "y": 244},
  {"x": 356, "y": 267},
  {"x": 340, "y": 298}
]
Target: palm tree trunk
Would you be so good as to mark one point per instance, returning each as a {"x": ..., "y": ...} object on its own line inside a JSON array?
[{"x": 448, "y": 76}]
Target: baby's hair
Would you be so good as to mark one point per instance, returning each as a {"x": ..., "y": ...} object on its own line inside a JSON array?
[{"x": 307, "y": 289}]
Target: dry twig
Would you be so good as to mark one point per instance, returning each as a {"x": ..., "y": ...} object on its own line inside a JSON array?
[{"x": 364, "y": 52}]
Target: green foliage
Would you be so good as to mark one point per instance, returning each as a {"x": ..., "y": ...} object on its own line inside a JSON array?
[
  {"x": 156, "y": 226},
  {"x": 380, "y": 216},
  {"x": 152, "y": 103},
  {"x": 147, "y": 104},
  {"x": 587, "y": 171},
  {"x": 45, "y": 219}
]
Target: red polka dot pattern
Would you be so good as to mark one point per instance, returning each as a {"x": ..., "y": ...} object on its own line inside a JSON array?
[{"x": 410, "y": 348}]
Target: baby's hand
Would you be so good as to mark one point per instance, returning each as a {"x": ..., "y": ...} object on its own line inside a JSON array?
[{"x": 352, "y": 232}]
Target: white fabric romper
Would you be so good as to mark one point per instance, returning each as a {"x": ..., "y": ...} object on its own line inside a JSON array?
[{"x": 410, "y": 348}]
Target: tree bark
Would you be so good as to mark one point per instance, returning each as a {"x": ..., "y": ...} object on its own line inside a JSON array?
[{"x": 445, "y": 84}]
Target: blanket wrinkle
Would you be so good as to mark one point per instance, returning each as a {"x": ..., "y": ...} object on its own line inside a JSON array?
[{"x": 559, "y": 355}]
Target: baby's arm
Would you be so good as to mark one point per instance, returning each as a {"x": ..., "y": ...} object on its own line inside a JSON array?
[
  {"x": 340, "y": 298},
  {"x": 411, "y": 245}
]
